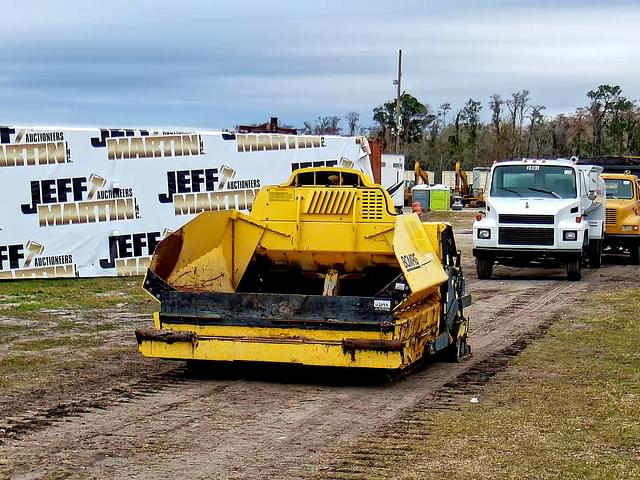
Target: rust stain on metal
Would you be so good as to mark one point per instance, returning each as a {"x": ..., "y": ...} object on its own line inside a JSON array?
[
  {"x": 350, "y": 344},
  {"x": 166, "y": 336},
  {"x": 167, "y": 253}
]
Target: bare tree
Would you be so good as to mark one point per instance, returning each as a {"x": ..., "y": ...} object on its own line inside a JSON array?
[
  {"x": 307, "y": 129},
  {"x": 523, "y": 108},
  {"x": 442, "y": 111},
  {"x": 518, "y": 106},
  {"x": 495, "y": 104},
  {"x": 352, "y": 119},
  {"x": 328, "y": 125},
  {"x": 535, "y": 119},
  {"x": 333, "y": 126},
  {"x": 471, "y": 117},
  {"x": 512, "y": 105},
  {"x": 456, "y": 124}
]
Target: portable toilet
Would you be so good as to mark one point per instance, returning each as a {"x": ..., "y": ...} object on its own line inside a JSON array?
[
  {"x": 420, "y": 194},
  {"x": 440, "y": 197}
]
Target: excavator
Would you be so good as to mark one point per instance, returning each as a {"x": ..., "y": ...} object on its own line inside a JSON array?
[
  {"x": 322, "y": 272},
  {"x": 420, "y": 176},
  {"x": 464, "y": 192}
]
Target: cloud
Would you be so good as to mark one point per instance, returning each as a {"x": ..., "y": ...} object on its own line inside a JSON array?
[{"x": 217, "y": 65}]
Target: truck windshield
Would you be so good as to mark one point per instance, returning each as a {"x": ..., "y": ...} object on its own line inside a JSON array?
[
  {"x": 546, "y": 181},
  {"x": 619, "y": 188}
]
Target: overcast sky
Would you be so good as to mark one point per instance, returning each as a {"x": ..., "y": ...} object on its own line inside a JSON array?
[{"x": 214, "y": 65}]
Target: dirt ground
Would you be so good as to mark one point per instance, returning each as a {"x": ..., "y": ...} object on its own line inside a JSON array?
[{"x": 129, "y": 417}]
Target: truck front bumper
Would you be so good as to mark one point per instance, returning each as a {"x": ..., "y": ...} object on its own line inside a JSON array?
[
  {"x": 621, "y": 240},
  {"x": 523, "y": 257}
]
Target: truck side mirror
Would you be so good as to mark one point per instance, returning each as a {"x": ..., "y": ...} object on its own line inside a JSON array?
[{"x": 592, "y": 195}]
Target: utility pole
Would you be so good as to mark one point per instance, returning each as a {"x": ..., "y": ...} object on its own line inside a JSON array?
[{"x": 398, "y": 83}]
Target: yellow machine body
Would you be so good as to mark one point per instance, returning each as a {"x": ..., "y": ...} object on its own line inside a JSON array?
[
  {"x": 622, "y": 215},
  {"x": 321, "y": 272}
]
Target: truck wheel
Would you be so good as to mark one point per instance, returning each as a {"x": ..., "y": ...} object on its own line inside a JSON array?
[
  {"x": 484, "y": 268},
  {"x": 595, "y": 253},
  {"x": 634, "y": 258},
  {"x": 574, "y": 269}
]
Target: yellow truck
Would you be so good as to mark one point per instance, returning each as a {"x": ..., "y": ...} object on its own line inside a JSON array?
[
  {"x": 321, "y": 272},
  {"x": 622, "y": 215},
  {"x": 622, "y": 222}
]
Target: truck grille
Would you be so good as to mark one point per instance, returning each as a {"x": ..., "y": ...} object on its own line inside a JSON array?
[
  {"x": 611, "y": 218},
  {"x": 525, "y": 236},
  {"x": 532, "y": 219}
]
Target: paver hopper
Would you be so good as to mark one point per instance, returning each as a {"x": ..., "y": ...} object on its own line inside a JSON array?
[{"x": 321, "y": 272}]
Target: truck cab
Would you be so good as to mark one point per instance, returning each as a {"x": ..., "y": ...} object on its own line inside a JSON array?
[
  {"x": 541, "y": 213},
  {"x": 622, "y": 224}
]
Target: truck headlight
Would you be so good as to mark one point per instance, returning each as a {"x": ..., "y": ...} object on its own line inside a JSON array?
[
  {"x": 569, "y": 235},
  {"x": 484, "y": 233},
  {"x": 629, "y": 228}
]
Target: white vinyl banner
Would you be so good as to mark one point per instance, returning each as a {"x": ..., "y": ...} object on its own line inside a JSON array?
[{"x": 95, "y": 202}]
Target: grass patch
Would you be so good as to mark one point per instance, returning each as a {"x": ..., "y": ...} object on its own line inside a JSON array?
[
  {"x": 9, "y": 333},
  {"x": 30, "y": 298},
  {"x": 22, "y": 369},
  {"x": 27, "y": 306},
  {"x": 66, "y": 325},
  {"x": 57, "y": 342},
  {"x": 569, "y": 408},
  {"x": 107, "y": 326},
  {"x": 9, "y": 330}
]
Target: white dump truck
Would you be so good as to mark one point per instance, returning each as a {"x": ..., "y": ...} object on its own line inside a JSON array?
[{"x": 545, "y": 213}]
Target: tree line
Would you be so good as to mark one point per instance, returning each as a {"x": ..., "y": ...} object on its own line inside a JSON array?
[{"x": 609, "y": 124}]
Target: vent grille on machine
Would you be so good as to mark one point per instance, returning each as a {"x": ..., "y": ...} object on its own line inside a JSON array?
[
  {"x": 330, "y": 202},
  {"x": 372, "y": 205}
]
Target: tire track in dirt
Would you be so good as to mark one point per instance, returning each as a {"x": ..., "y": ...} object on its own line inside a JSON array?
[
  {"x": 246, "y": 427},
  {"x": 369, "y": 458},
  {"x": 12, "y": 428}
]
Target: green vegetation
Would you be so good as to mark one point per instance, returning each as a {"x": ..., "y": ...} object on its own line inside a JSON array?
[
  {"x": 568, "y": 408},
  {"x": 29, "y": 298},
  {"x": 103, "y": 327},
  {"x": 57, "y": 325},
  {"x": 43, "y": 363},
  {"x": 57, "y": 342},
  {"x": 66, "y": 325},
  {"x": 439, "y": 137},
  {"x": 7, "y": 331},
  {"x": 25, "y": 368}
]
